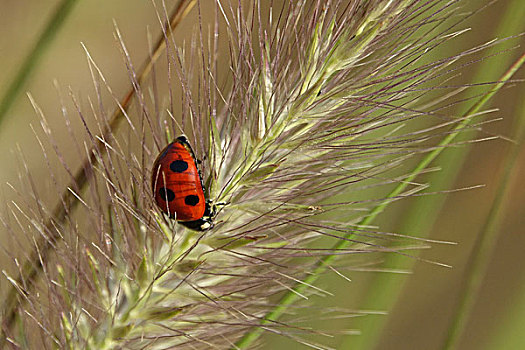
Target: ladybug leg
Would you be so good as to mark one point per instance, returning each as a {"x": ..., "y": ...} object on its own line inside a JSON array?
[
  {"x": 210, "y": 203},
  {"x": 210, "y": 209},
  {"x": 199, "y": 161}
]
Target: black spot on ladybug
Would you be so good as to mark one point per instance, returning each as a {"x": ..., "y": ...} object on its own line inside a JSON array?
[
  {"x": 178, "y": 166},
  {"x": 192, "y": 200},
  {"x": 166, "y": 194}
]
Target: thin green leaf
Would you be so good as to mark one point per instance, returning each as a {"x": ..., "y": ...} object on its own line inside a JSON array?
[
  {"x": 293, "y": 295},
  {"x": 30, "y": 62},
  {"x": 485, "y": 242},
  {"x": 384, "y": 289}
]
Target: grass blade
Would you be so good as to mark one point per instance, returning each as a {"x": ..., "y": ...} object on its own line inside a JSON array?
[
  {"x": 31, "y": 267},
  {"x": 293, "y": 295},
  {"x": 485, "y": 242},
  {"x": 384, "y": 289},
  {"x": 33, "y": 58}
]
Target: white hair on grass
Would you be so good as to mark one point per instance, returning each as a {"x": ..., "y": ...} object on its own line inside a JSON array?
[{"x": 317, "y": 104}]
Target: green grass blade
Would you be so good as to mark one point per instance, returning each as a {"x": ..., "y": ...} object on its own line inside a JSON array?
[
  {"x": 31, "y": 268},
  {"x": 485, "y": 242},
  {"x": 508, "y": 333},
  {"x": 384, "y": 289},
  {"x": 293, "y": 295},
  {"x": 33, "y": 58}
]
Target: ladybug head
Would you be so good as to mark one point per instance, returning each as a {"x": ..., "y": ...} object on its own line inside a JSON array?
[{"x": 206, "y": 222}]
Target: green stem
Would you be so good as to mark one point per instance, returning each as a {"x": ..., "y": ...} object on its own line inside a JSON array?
[
  {"x": 30, "y": 62},
  {"x": 293, "y": 295},
  {"x": 485, "y": 243},
  {"x": 384, "y": 289},
  {"x": 31, "y": 268}
]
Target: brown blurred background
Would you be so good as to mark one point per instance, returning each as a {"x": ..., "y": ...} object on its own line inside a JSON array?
[{"x": 421, "y": 317}]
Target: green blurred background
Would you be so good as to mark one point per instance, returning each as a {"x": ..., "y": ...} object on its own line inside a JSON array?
[{"x": 422, "y": 315}]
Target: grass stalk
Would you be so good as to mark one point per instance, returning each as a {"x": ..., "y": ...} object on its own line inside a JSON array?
[
  {"x": 29, "y": 64},
  {"x": 299, "y": 289},
  {"x": 484, "y": 246},
  {"x": 384, "y": 289},
  {"x": 32, "y": 267},
  {"x": 509, "y": 332}
]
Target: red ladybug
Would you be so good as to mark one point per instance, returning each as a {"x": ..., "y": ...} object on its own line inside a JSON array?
[{"x": 177, "y": 186}]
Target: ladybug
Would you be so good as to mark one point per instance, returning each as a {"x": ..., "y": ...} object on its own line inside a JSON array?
[{"x": 177, "y": 186}]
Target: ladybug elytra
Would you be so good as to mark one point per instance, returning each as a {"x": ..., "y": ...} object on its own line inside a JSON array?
[{"x": 177, "y": 186}]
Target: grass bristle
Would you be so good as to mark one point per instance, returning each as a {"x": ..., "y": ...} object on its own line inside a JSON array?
[{"x": 310, "y": 104}]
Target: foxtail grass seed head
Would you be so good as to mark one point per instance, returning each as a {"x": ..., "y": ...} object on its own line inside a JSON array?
[{"x": 318, "y": 102}]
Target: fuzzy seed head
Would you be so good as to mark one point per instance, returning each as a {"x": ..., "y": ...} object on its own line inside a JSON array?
[{"x": 316, "y": 104}]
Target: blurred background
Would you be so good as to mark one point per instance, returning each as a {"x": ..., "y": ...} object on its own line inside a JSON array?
[{"x": 421, "y": 317}]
